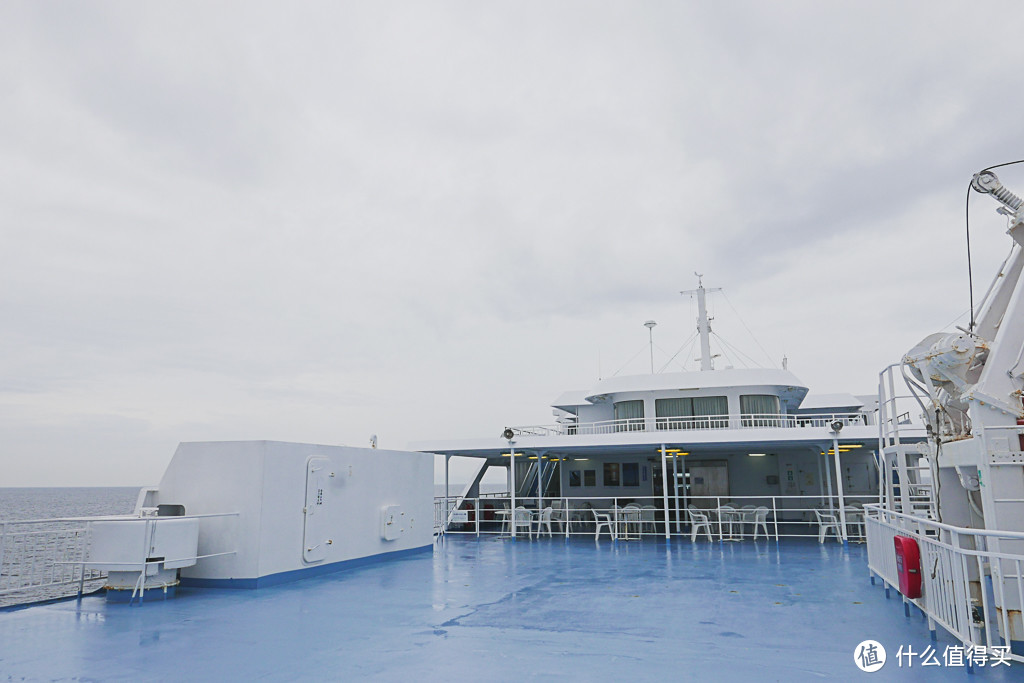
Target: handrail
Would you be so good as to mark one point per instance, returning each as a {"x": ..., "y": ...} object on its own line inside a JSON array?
[
  {"x": 787, "y": 516},
  {"x": 694, "y": 422},
  {"x": 958, "y": 559},
  {"x": 50, "y": 561},
  {"x": 924, "y": 521}
]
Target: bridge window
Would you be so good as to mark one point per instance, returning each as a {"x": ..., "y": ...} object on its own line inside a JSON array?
[
  {"x": 699, "y": 412},
  {"x": 760, "y": 410},
  {"x": 629, "y": 416}
]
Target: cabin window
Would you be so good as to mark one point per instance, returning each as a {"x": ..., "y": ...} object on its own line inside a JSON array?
[
  {"x": 629, "y": 416},
  {"x": 671, "y": 413},
  {"x": 700, "y": 412},
  {"x": 574, "y": 478},
  {"x": 630, "y": 474},
  {"x": 760, "y": 411},
  {"x": 612, "y": 474},
  {"x": 590, "y": 478}
]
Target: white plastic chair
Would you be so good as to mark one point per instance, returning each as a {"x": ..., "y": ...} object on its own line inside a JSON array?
[
  {"x": 855, "y": 521},
  {"x": 544, "y": 520},
  {"x": 826, "y": 521},
  {"x": 559, "y": 515},
  {"x": 602, "y": 519},
  {"x": 630, "y": 518},
  {"x": 760, "y": 519},
  {"x": 523, "y": 519},
  {"x": 697, "y": 520},
  {"x": 727, "y": 517},
  {"x": 647, "y": 518}
]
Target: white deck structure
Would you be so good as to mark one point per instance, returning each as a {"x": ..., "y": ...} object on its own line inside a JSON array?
[{"x": 728, "y": 436}]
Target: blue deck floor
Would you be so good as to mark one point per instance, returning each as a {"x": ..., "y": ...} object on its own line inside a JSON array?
[{"x": 494, "y": 610}]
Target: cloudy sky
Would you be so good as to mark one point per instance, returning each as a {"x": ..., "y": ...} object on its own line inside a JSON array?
[{"x": 321, "y": 221}]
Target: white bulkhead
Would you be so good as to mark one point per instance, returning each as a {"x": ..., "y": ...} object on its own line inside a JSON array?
[{"x": 272, "y": 511}]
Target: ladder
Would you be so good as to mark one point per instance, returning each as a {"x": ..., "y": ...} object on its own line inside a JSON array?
[{"x": 909, "y": 485}]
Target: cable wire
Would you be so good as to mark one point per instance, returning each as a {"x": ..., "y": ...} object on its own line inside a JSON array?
[{"x": 742, "y": 322}]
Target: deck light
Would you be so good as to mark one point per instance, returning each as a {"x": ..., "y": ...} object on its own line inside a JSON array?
[{"x": 757, "y": 455}]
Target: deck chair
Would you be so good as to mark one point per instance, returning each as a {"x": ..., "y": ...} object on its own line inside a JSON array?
[
  {"x": 523, "y": 519},
  {"x": 698, "y": 519},
  {"x": 647, "y": 518},
  {"x": 602, "y": 519},
  {"x": 826, "y": 521},
  {"x": 544, "y": 520},
  {"x": 760, "y": 519}
]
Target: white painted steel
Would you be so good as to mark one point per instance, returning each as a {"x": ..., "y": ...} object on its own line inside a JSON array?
[
  {"x": 694, "y": 422},
  {"x": 839, "y": 485},
  {"x": 664, "y": 487},
  {"x": 952, "y": 559},
  {"x": 51, "y": 558}
]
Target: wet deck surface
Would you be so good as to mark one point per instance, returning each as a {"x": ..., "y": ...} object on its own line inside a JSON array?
[{"x": 504, "y": 611}]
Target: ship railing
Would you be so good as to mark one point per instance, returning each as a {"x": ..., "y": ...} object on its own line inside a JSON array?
[
  {"x": 730, "y": 518},
  {"x": 694, "y": 422},
  {"x": 47, "y": 559},
  {"x": 971, "y": 585}
]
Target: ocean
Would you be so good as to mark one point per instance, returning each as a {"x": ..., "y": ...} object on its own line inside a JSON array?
[{"x": 48, "y": 503}]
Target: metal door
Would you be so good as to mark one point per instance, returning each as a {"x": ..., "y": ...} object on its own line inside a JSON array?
[
  {"x": 709, "y": 479},
  {"x": 316, "y": 527}
]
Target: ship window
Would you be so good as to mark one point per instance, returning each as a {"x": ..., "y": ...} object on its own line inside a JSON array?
[
  {"x": 590, "y": 477},
  {"x": 629, "y": 416},
  {"x": 611, "y": 474},
  {"x": 574, "y": 478},
  {"x": 760, "y": 411},
  {"x": 701, "y": 412},
  {"x": 630, "y": 474}
]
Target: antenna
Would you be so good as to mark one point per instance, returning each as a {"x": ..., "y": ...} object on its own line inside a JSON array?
[
  {"x": 650, "y": 324},
  {"x": 703, "y": 322}
]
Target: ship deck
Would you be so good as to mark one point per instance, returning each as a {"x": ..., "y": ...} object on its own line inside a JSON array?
[{"x": 502, "y": 610}]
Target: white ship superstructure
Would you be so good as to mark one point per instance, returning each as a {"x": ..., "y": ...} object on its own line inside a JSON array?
[{"x": 671, "y": 442}]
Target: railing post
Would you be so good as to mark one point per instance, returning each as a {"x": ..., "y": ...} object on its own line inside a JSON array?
[
  {"x": 568, "y": 516},
  {"x": 718, "y": 507},
  {"x": 664, "y": 488},
  {"x": 775, "y": 519}
]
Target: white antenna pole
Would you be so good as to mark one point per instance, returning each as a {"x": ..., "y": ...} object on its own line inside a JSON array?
[
  {"x": 703, "y": 322},
  {"x": 650, "y": 330}
]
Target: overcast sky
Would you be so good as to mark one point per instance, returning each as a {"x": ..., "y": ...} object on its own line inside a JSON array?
[{"x": 321, "y": 221}]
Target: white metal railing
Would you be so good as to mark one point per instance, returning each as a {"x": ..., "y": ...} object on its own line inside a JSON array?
[
  {"x": 730, "y": 518},
  {"x": 692, "y": 422},
  {"x": 954, "y": 565},
  {"x": 44, "y": 559}
]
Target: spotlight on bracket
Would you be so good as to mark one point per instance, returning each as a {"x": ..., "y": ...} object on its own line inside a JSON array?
[
  {"x": 508, "y": 433},
  {"x": 836, "y": 425}
]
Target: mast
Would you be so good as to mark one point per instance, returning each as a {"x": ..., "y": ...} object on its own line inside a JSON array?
[{"x": 703, "y": 321}]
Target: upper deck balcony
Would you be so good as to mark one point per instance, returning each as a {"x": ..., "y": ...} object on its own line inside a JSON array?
[{"x": 694, "y": 423}]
